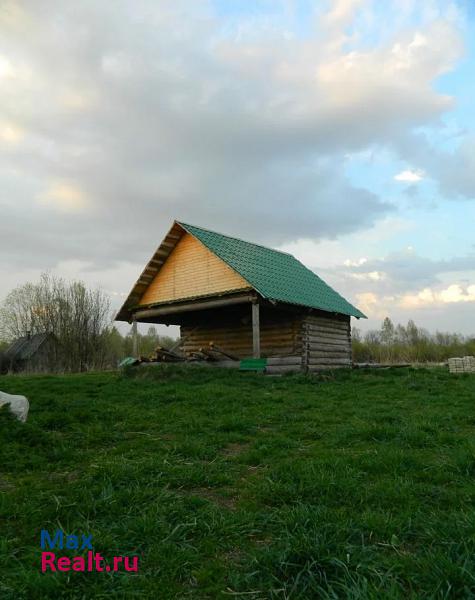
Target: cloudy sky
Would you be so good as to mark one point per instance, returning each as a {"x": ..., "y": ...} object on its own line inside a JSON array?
[{"x": 342, "y": 131}]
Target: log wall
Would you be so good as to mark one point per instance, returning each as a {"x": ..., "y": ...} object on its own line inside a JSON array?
[
  {"x": 291, "y": 341},
  {"x": 281, "y": 334},
  {"x": 326, "y": 342}
]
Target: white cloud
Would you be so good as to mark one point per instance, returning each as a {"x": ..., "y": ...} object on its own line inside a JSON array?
[
  {"x": 6, "y": 68},
  {"x": 434, "y": 306},
  {"x": 410, "y": 175},
  {"x": 376, "y": 305},
  {"x": 373, "y": 305},
  {"x": 10, "y": 133},
  {"x": 369, "y": 276},
  {"x": 355, "y": 263},
  {"x": 453, "y": 294},
  {"x": 155, "y": 110},
  {"x": 456, "y": 293}
]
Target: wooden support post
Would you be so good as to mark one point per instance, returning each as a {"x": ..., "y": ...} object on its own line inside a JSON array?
[
  {"x": 256, "y": 333},
  {"x": 135, "y": 345}
]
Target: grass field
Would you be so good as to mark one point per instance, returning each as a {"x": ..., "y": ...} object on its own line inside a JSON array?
[{"x": 233, "y": 485}]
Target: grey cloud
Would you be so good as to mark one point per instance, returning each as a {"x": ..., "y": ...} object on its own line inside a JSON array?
[
  {"x": 152, "y": 114},
  {"x": 406, "y": 271},
  {"x": 452, "y": 171}
]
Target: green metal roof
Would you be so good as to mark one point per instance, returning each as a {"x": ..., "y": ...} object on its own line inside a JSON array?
[{"x": 275, "y": 275}]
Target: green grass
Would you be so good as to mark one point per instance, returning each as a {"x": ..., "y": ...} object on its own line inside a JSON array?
[{"x": 356, "y": 485}]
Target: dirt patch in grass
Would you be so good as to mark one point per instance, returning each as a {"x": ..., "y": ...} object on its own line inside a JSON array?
[
  {"x": 5, "y": 485},
  {"x": 235, "y": 556},
  {"x": 212, "y": 495},
  {"x": 68, "y": 476},
  {"x": 235, "y": 449}
]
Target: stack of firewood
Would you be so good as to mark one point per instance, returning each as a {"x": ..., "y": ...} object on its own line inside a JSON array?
[
  {"x": 212, "y": 353},
  {"x": 162, "y": 355}
]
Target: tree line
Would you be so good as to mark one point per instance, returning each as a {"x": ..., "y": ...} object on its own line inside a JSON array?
[
  {"x": 410, "y": 343},
  {"x": 80, "y": 319}
]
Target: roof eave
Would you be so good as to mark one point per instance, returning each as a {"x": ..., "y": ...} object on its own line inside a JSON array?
[{"x": 150, "y": 271}]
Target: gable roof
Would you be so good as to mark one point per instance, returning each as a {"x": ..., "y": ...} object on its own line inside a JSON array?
[
  {"x": 275, "y": 275},
  {"x": 26, "y": 347}
]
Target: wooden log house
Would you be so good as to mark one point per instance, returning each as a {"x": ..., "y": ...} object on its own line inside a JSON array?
[
  {"x": 246, "y": 299},
  {"x": 33, "y": 353}
]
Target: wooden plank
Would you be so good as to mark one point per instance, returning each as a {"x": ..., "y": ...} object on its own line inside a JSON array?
[
  {"x": 329, "y": 354},
  {"x": 147, "y": 313},
  {"x": 314, "y": 339},
  {"x": 191, "y": 270},
  {"x": 323, "y": 332},
  {"x": 284, "y": 360},
  {"x": 335, "y": 361},
  {"x": 284, "y": 328},
  {"x": 326, "y": 331},
  {"x": 215, "y": 336},
  {"x": 135, "y": 344},
  {"x": 230, "y": 339},
  {"x": 343, "y": 349},
  {"x": 256, "y": 332},
  {"x": 239, "y": 334},
  {"x": 281, "y": 369},
  {"x": 330, "y": 330},
  {"x": 305, "y": 345},
  {"x": 315, "y": 368},
  {"x": 328, "y": 322}
]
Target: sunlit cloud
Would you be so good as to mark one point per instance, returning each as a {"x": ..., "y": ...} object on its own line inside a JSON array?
[
  {"x": 77, "y": 100},
  {"x": 410, "y": 175},
  {"x": 454, "y": 293},
  {"x": 10, "y": 133},
  {"x": 6, "y": 68},
  {"x": 355, "y": 263},
  {"x": 370, "y": 276},
  {"x": 373, "y": 305},
  {"x": 65, "y": 197}
]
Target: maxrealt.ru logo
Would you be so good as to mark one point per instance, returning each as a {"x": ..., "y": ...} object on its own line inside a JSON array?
[{"x": 90, "y": 562}]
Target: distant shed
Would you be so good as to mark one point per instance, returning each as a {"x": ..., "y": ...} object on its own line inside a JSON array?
[
  {"x": 31, "y": 353},
  {"x": 245, "y": 298}
]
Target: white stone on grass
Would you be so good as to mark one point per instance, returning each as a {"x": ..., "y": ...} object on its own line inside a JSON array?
[{"x": 19, "y": 405}]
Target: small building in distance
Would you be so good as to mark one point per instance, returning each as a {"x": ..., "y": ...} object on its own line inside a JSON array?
[
  {"x": 32, "y": 353},
  {"x": 246, "y": 299}
]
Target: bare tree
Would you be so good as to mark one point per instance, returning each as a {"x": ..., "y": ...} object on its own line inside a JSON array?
[{"x": 77, "y": 316}]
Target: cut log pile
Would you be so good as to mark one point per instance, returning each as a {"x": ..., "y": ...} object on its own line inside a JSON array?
[
  {"x": 211, "y": 353},
  {"x": 162, "y": 355}
]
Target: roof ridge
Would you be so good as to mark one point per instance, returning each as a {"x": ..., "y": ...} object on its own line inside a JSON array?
[{"x": 232, "y": 237}]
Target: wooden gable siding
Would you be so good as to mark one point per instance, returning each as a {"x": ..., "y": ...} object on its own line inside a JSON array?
[{"x": 191, "y": 271}]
